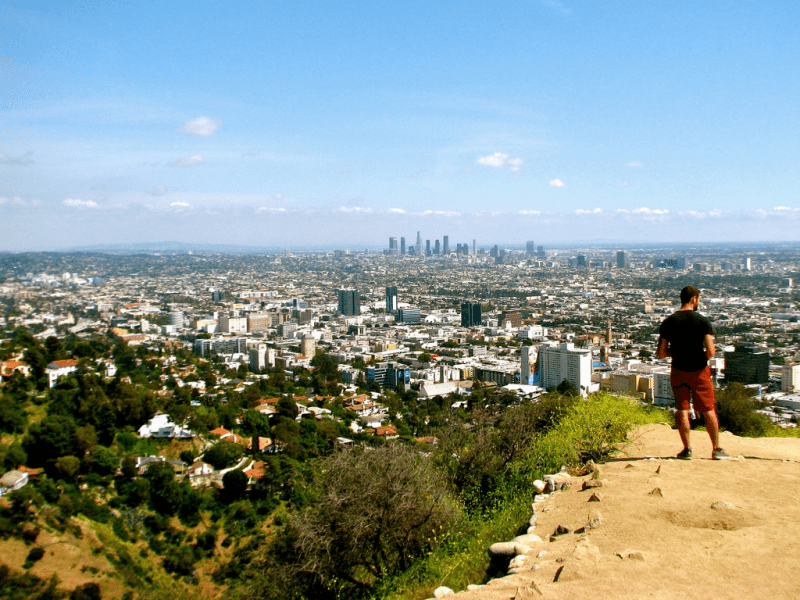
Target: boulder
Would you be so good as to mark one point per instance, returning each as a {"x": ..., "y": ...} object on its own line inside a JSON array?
[{"x": 442, "y": 591}]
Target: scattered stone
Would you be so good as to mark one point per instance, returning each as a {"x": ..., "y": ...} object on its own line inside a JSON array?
[
  {"x": 594, "y": 519},
  {"x": 541, "y": 498},
  {"x": 658, "y": 470},
  {"x": 561, "y": 560},
  {"x": 539, "y": 486},
  {"x": 558, "y": 573},
  {"x": 596, "y": 474},
  {"x": 442, "y": 591},
  {"x": 523, "y": 593},
  {"x": 631, "y": 555},
  {"x": 657, "y": 492},
  {"x": 522, "y": 549},
  {"x": 591, "y": 483},
  {"x": 629, "y": 466},
  {"x": 502, "y": 549},
  {"x": 721, "y": 504},
  {"x": 473, "y": 586},
  {"x": 561, "y": 530},
  {"x": 515, "y": 570},
  {"x": 517, "y": 561},
  {"x": 527, "y": 539},
  {"x": 595, "y": 497},
  {"x": 541, "y": 554}
]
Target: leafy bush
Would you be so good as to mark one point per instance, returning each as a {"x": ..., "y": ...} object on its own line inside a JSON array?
[
  {"x": 34, "y": 556},
  {"x": 223, "y": 454},
  {"x": 736, "y": 411}
]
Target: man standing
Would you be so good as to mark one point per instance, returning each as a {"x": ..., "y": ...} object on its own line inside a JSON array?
[{"x": 688, "y": 338}]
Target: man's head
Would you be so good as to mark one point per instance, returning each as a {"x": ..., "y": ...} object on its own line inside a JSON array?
[{"x": 688, "y": 293}]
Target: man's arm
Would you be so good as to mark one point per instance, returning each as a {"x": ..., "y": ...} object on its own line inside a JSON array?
[
  {"x": 663, "y": 347},
  {"x": 708, "y": 344}
]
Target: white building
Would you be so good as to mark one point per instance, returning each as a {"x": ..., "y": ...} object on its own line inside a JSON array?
[
  {"x": 790, "y": 378},
  {"x": 662, "y": 388},
  {"x": 527, "y": 363},
  {"x": 258, "y": 358},
  {"x": 60, "y": 368},
  {"x": 161, "y": 426},
  {"x": 566, "y": 362},
  {"x": 233, "y": 324}
]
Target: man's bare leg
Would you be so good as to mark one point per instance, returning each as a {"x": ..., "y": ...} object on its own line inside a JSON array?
[
  {"x": 712, "y": 427},
  {"x": 684, "y": 428}
]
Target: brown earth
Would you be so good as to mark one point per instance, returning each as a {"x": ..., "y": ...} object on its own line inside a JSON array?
[{"x": 672, "y": 545}]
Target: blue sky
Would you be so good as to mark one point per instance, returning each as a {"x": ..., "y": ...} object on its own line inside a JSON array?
[{"x": 297, "y": 124}]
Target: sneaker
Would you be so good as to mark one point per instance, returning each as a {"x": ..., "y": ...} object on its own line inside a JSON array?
[
  {"x": 685, "y": 454},
  {"x": 719, "y": 454}
]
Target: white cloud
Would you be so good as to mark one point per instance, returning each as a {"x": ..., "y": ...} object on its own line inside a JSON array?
[
  {"x": 583, "y": 211},
  {"x": 80, "y": 203},
  {"x": 500, "y": 160},
  {"x": 203, "y": 126},
  {"x": 355, "y": 209},
  {"x": 189, "y": 161},
  {"x": 270, "y": 209},
  {"x": 634, "y": 164},
  {"x": 439, "y": 213},
  {"x": 398, "y": 211},
  {"x": 650, "y": 211},
  {"x": 180, "y": 204},
  {"x": 23, "y": 160},
  {"x": 556, "y": 183},
  {"x": 530, "y": 212}
]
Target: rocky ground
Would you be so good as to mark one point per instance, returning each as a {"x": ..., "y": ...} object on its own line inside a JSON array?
[{"x": 666, "y": 528}]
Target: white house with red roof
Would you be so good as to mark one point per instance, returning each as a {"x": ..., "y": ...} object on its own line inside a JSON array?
[{"x": 60, "y": 368}]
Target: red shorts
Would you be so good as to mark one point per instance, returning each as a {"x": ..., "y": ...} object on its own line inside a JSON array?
[{"x": 694, "y": 384}]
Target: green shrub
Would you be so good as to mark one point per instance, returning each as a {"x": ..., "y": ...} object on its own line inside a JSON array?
[
  {"x": 34, "y": 556},
  {"x": 736, "y": 411}
]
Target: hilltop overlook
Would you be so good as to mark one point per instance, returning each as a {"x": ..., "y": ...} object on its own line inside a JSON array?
[{"x": 676, "y": 544}]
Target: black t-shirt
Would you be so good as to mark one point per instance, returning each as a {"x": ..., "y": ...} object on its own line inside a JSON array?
[{"x": 685, "y": 330}]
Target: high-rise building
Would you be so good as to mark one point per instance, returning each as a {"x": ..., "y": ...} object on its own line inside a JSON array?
[
  {"x": 747, "y": 364},
  {"x": 258, "y": 358},
  {"x": 470, "y": 314},
  {"x": 427, "y": 248},
  {"x": 436, "y": 248},
  {"x": 418, "y": 244},
  {"x": 566, "y": 363},
  {"x": 623, "y": 262},
  {"x": 391, "y": 299},
  {"x": 530, "y": 249},
  {"x": 392, "y": 245},
  {"x": 308, "y": 346},
  {"x": 581, "y": 261},
  {"x": 349, "y": 302},
  {"x": 446, "y": 244},
  {"x": 408, "y": 315},
  {"x": 790, "y": 377},
  {"x": 402, "y": 245},
  {"x": 475, "y": 247},
  {"x": 527, "y": 364},
  {"x": 540, "y": 251}
]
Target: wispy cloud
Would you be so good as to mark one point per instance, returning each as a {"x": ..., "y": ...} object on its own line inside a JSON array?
[
  {"x": 76, "y": 203},
  {"x": 439, "y": 213},
  {"x": 501, "y": 160},
  {"x": 189, "y": 161},
  {"x": 634, "y": 164},
  {"x": 23, "y": 160},
  {"x": 530, "y": 212},
  {"x": 159, "y": 190},
  {"x": 557, "y": 7},
  {"x": 397, "y": 211},
  {"x": 180, "y": 204},
  {"x": 202, "y": 126},
  {"x": 355, "y": 209},
  {"x": 556, "y": 183},
  {"x": 583, "y": 211},
  {"x": 271, "y": 209}
]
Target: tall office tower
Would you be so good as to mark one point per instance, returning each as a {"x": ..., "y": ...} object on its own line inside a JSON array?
[
  {"x": 446, "y": 244},
  {"x": 494, "y": 252},
  {"x": 475, "y": 247},
  {"x": 349, "y": 302},
  {"x": 402, "y": 245},
  {"x": 419, "y": 244},
  {"x": 391, "y": 299},
  {"x": 436, "y": 248},
  {"x": 470, "y": 314},
  {"x": 529, "y": 249},
  {"x": 623, "y": 262},
  {"x": 540, "y": 251},
  {"x": 458, "y": 249},
  {"x": 392, "y": 245},
  {"x": 527, "y": 363},
  {"x": 581, "y": 261},
  {"x": 747, "y": 364},
  {"x": 465, "y": 248},
  {"x": 790, "y": 377},
  {"x": 427, "y": 248},
  {"x": 258, "y": 358},
  {"x": 748, "y": 265},
  {"x": 566, "y": 363}
]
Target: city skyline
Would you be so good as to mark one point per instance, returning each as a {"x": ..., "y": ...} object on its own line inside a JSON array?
[{"x": 292, "y": 125}]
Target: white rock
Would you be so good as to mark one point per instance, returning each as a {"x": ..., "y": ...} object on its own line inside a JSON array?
[
  {"x": 531, "y": 529},
  {"x": 442, "y": 591},
  {"x": 517, "y": 561},
  {"x": 522, "y": 549},
  {"x": 541, "y": 554},
  {"x": 502, "y": 549},
  {"x": 527, "y": 539},
  {"x": 473, "y": 586},
  {"x": 539, "y": 486}
]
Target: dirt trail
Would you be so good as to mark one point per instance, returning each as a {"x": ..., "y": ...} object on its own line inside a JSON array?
[{"x": 672, "y": 543}]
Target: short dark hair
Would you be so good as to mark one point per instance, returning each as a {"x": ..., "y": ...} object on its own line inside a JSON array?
[{"x": 688, "y": 293}]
